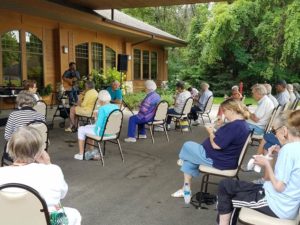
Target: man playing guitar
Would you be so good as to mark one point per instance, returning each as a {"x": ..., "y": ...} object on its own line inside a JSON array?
[{"x": 69, "y": 78}]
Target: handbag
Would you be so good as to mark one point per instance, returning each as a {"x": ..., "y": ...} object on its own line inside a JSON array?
[{"x": 59, "y": 217}]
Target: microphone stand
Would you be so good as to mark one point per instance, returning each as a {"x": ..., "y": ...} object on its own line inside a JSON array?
[{"x": 124, "y": 104}]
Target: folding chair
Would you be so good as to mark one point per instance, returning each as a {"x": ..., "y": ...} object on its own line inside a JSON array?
[
  {"x": 86, "y": 119},
  {"x": 41, "y": 107},
  {"x": 252, "y": 217},
  {"x": 295, "y": 104},
  {"x": 112, "y": 130},
  {"x": 233, "y": 173},
  {"x": 160, "y": 118},
  {"x": 21, "y": 204},
  {"x": 184, "y": 114},
  {"x": 207, "y": 109},
  {"x": 42, "y": 127},
  {"x": 286, "y": 106}
]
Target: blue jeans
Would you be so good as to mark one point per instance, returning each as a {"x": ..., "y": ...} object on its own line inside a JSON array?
[
  {"x": 133, "y": 121},
  {"x": 72, "y": 94},
  {"x": 193, "y": 155},
  {"x": 271, "y": 140},
  {"x": 171, "y": 111},
  {"x": 194, "y": 112},
  {"x": 257, "y": 130}
]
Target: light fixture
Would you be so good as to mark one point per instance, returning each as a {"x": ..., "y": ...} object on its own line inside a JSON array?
[
  {"x": 129, "y": 57},
  {"x": 65, "y": 49}
]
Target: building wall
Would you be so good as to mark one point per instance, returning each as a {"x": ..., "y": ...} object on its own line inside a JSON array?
[{"x": 55, "y": 35}]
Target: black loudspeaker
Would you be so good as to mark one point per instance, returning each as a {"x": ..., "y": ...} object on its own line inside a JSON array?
[{"x": 122, "y": 62}]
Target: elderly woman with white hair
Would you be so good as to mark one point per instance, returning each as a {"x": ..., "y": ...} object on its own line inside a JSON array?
[
  {"x": 98, "y": 128},
  {"x": 145, "y": 114}
]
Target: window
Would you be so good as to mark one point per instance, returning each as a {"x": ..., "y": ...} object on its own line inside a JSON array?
[
  {"x": 97, "y": 56},
  {"x": 34, "y": 58},
  {"x": 145, "y": 65},
  {"x": 153, "y": 65},
  {"x": 11, "y": 58},
  {"x": 82, "y": 58},
  {"x": 137, "y": 64},
  {"x": 110, "y": 58}
]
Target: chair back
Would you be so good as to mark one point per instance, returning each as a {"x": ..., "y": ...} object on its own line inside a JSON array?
[
  {"x": 244, "y": 149},
  {"x": 161, "y": 111},
  {"x": 41, "y": 107},
  {"x": 187, "y": 106},
  {"x": 286, "y": 106},
  {"x": 295, "y": 104},
  {"x": 209, "y": 104},
  {"x": 113, "y": 123},
  {"x": 42, "y": 127},
  {"x": 21, "y": 204}
]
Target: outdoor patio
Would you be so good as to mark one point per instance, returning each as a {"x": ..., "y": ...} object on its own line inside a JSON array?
[{"x": 136, "y": 192}]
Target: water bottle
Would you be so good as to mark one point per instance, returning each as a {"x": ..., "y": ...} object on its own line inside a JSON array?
[{"x": 187, "y": 193}]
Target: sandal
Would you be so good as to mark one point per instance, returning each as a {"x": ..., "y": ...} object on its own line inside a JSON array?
[{"x": 178, "y": 194}]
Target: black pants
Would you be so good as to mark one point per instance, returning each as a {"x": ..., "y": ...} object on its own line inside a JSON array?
[
  {"x": 194, "y": 112},
  {"x": 237, "y": 194}
]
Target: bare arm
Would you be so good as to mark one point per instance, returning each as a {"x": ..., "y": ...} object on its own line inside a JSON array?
[
  {"x": 212, "y": 137},
  {"x": 254, "y": 117}
]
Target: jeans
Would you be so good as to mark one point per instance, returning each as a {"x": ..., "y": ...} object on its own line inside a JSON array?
[
  {"x": 193, "y": 114},
  {"x": 72, "y": 94},
  {"x": 133, "y": 121}
]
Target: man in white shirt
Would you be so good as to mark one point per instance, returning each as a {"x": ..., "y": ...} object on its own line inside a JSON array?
[
  {"x": 206, "y": 93},
  {"x": 283, "y": 96},
  {"x": 269, "y": 94},
  {"x": 259, "y": 119}
]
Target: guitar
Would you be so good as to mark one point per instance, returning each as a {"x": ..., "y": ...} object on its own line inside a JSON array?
[{"x": 68, "y": 83}]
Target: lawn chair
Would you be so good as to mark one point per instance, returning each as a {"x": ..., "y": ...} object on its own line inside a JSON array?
[
  {"x": 112, "y": 130},
  {"x": 210, "y": 171},
  {"x": 21, "y": 204},
  {"x": 253, "y": 217},
  {"x": 207, "y": 109},
  {"x": 184, "y": 114},
  {"x": 42, "y": 127},
  {"x": 86, "y": 119},
  {"x": 41, "y": 107},
  {"x": 295, "y": 104},
  {"x": 160, "y": 118}
]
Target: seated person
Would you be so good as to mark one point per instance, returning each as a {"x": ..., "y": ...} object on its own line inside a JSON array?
[
  {"x": 194, "y": 92},
  {"x": 279, "y": 196},
  {"x": 290, "y": 89},
  {"x": 145, "y": 114},
  {"x": 180, "y": 98},
  {"x": 30, "y": 85},
  {"x": 24, "y": 114},
  {"x": 259, "y": 119},
  {"x": 83, "y": 108},
  {"x": 221, "y": 150},
  {"x": 97, "y": 129},
  {"x": 206, "y": 93},
  {"x": 115, "y": 92},
  {"x": 283, "y": 96},
  {"x": 269, "y": 94},
  {"x": 236, "y": 95},
  {"x": 296, "y": 87},
  {"x": 32, "y": 167}
]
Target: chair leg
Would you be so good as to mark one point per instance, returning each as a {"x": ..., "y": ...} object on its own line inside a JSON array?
[
  {"x": 121, "y": 152},
  {"x": 202, "y": 119},
  {"x": 104, "y": 147},
  {"x": 165, "y": 129},
  {"x": 180, "y": 126},
  {"x": 151, "y": 132},
  {"x": 202, "y": 189},
  {"x": 84, "y": 147},
  {"x": 101, "y": 153},
  {"x": 206, "y": 182},
  {"x": 208, "y": 117},
  {"x": 189, "y": 121}
]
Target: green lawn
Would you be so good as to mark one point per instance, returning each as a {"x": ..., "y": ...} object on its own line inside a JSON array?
[{"x": 219, "y": 100}]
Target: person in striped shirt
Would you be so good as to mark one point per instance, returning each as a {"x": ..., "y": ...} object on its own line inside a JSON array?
[
  {"x": 145, "y": 114},
  {"x": 23, "y": 115}
]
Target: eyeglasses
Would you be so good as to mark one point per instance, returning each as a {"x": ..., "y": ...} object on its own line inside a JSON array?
[{"x": 274, "y": 131}]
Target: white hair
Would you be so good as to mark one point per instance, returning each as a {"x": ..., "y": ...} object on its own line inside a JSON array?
[
  {"x": 268, "y": 88},
  {"x": 104, "y": 96},
  {"x": 235, "y": 88},
  {"x": 260, "y": 89},
  {"x": 290, "y": 87},
  {"x": 150, "y": 85},
  {"x": 204, "y": 85}
]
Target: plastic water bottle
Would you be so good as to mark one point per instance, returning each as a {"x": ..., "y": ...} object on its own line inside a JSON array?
[{"x": 187, "y": 193}]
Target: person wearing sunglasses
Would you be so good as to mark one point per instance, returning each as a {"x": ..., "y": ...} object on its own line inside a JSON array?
[{"x": 279, "y": 196}]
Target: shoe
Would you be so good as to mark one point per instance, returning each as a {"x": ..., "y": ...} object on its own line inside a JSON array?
[
  {"x": 259, "y": 181},
  {"x": 130, "y": 139},
  {"x": 159, "y": 129},
  {"x": 196, "y": 123},
  {"x": 69, "y": 129},
  {"x": 245, "y": 168},
  {"x": 78, "y": 156},
  {"x": 179, "y": 162},
  {"x": 186, "y": 129},
  {"x": 168, "y": 126},
  {"x": 142, "y": 136},
  {"x": 178, "y": 194}
]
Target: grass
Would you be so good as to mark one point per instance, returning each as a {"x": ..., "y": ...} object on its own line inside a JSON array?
[{"x": 219, "y": 100}]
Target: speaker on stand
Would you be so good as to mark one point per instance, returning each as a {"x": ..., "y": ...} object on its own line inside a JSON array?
[{"x": 123, "y": 67}]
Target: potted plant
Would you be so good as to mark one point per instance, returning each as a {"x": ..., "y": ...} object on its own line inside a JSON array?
[{"x": 46, "y": 93}]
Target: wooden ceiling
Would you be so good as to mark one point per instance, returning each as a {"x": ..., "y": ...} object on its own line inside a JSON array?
[{"x": 120, "y": 4}]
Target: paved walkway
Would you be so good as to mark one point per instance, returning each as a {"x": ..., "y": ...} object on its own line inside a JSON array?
[{"x": 136, "y": 192}]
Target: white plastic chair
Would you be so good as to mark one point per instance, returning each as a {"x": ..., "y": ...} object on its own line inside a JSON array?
[
  {"x": 21, "y": 204},
  {"x": 112, "y": 130},
  {"x": 42, "y": 127},
  {"x": 207, "y": 109}
]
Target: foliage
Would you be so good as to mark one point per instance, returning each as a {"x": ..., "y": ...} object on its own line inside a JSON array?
[
  {"x": 103, "y": 80},
  {"x": 47, "y": 90}
]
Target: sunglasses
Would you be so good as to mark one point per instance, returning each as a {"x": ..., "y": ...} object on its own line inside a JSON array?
[{"x": 274, "y": 131}]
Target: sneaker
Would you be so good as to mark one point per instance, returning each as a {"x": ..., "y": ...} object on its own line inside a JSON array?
[
  {"x": 69, "y": 129},
  {"x": 130, "y": 139},
  {"x": 186, "y": 129},
  {"x": 179, "y": 162},
  {"x": 168, "y": 126},
  {"x": 159, "y": 129},
  {"x": 78, "y": 156},
  {"x": 196, "y": 123},
  {"x": 142, "y": 136},
  {"x": 259, "y": 181},
  {"x": 178, "y": 194}
]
